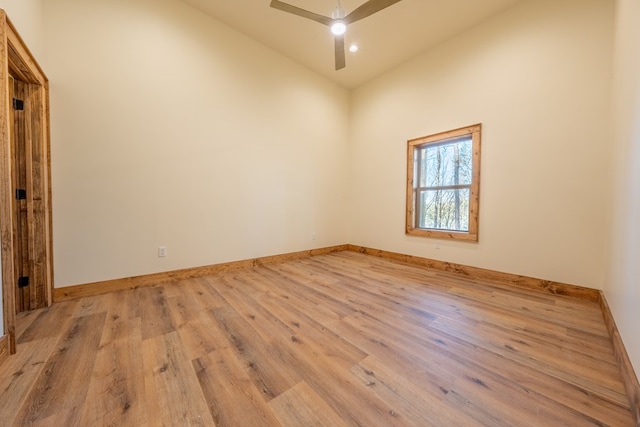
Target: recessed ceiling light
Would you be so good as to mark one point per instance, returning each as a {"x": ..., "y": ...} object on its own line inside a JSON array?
[{"x": 353, "y": 48}]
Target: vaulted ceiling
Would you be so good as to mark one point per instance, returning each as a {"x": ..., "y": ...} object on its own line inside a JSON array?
[{"x": 385, "y": 39}]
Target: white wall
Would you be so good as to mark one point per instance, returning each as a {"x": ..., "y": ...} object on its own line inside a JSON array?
[
  {"x": 26, "y": 16},
  {"x": 537, "y": 77},
  {"x": 169, "y": 128},
  {"x": 622, "y": 288}
]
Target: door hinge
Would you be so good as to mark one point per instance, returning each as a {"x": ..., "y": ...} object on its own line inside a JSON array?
[
  {"x": 21, "y": 194},
  {"x": 18, "y": 104},
  {"x": 23, "y": 282}
]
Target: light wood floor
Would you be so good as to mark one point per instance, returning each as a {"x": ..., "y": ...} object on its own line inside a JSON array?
[{"x": 334, "y": 340}]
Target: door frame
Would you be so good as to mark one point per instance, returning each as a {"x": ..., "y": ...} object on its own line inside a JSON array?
[{"x": 17, "y": 61}]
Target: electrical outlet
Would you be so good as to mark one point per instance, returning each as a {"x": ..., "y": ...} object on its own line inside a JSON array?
[
  {"x": 313, "y": 236},
  {"x": 162, "y": 251},
  {"x": 437, "y": 245}
]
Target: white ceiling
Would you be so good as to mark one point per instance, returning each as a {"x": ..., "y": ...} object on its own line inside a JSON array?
[{"x": 386, "y": 39}]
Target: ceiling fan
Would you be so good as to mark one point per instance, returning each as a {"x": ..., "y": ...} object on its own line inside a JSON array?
[{"x": 338, "y": 21}]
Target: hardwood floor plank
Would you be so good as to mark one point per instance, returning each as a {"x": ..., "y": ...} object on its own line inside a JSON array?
[
  {"x": 342, "y": 339},
  {"x": 490, "y": 388},
  {"x": 405, "y": 327},
  {"x": 529, "y": 381},
  {"x": 90, "y": 305},
  {"x": 511, "y": 280},
  {"x": 554, "y": 355},
  {"x": 20, "y": 374},
  {"x": 403, "y": 354},
  {"x": 353, "y": 401},
  {"x": 204, "y": 293},
  {"x": 172, "y": 392},
  {"x": 302, "y": 406},
  {"x": 266, "y": 369},
  {"x": 480, "y": 296},
  {"x": 48, "y": 323},
  {"x": 393, "y": 386},
  {"x": 201, "y": 336},
  {"x": 121, "y": 306},
  {"x": 303, "y": 327},
  {"x": 61, "y": 387},
  {"x": 231, "y": 395},
  {"x": 308, "y": 358},
  {"x": 116, "y": 392},
  {"x": 607, "y": 388},
  {"x": 341, "y": 352},
  {"x": 183, "y": 309},
  {"x": 292, "y": 278},
  {"x": 491, "y": 315},
  {"x": 326, "y": 368},
  {"x": 26, "y": 318},
  {"x": 156, "y": 316}
]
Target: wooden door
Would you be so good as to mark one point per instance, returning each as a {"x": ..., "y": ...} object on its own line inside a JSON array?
[{"x": 26, "y": 294}]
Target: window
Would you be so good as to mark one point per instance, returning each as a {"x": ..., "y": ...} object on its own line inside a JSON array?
[{"x": 443, "y": 183}]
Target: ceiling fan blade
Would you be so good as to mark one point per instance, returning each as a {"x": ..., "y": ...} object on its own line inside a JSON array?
[
  {"x": 285, "y": 7},
  {"x": 367, "y": 9},
  {"x": 340, "y": 59}
]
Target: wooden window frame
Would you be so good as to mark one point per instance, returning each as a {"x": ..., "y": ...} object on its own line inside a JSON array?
[{"x": 471, "y": 235}]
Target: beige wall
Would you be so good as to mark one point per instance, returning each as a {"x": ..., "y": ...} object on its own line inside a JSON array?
[
  {"x": 169, "y": 128},
  {"x": 622, "y": 288},
  {"x": 27, "y": 17},
  {"x": 538, "y": 78}
]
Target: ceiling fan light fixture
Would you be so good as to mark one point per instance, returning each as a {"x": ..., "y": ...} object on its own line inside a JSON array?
[
  {"x": 338, "y": 20},
  {"x": 338, "y": 27}
]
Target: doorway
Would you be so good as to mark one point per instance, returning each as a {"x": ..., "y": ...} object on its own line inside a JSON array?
[{"x": 25, "y": 181}]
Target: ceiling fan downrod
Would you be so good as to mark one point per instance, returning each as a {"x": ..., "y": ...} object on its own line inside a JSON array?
[{"x": 338, "y": 12}]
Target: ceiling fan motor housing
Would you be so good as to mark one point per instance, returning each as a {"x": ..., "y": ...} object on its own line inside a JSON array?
[{"x": 338, "y": 12}]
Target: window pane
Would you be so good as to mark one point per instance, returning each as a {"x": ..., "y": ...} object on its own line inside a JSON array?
[
  {"x": 445, "y": 164},
  {"x": 443, "y": 209}
]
